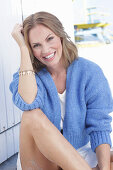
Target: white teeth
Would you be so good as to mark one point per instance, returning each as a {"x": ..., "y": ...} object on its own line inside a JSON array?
[{"x": 50, "y": 56}]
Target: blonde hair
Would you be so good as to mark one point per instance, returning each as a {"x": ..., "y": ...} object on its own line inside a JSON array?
[{"x": 69, "y": 49}]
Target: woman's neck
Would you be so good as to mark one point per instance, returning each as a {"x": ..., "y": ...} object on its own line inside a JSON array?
[{"x": 57, "y": 70}]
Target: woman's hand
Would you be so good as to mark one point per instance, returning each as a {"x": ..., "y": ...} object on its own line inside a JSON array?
[{"x": 18, "y": 35}]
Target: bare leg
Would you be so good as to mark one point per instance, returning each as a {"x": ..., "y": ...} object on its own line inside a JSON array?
[
  {"x": 49, "y": 142},
  {"x": 30, "y": 156},
  {"x": 111, "y": 166},
  {"x": 111, "y": 160}
]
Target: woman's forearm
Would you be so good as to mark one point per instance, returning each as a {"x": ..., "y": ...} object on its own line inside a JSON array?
[
  {"x": 103, "y": 156},
  {"x": 27, "y": 83}
]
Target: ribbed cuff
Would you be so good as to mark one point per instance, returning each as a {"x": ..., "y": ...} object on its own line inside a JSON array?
[
  {"x": 22, "y": 105},
  {"x": 100, "y": 137}
]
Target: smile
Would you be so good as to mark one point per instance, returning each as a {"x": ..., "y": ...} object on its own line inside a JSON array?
[{"x": 50, "y": 57}]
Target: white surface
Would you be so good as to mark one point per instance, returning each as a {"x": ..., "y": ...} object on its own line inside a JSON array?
[
  {"x": 9, "y": 62},
  {"x": 3, "y": 148},
  {"x": 62, "y": 98},
  {"x": 9, "y": 143},
  {"x": 60, "y": 8}
]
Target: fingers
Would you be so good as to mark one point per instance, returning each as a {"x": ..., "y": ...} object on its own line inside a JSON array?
[
  {"x": 17, "y": 34},
  {"x": 17, "y": 28}
]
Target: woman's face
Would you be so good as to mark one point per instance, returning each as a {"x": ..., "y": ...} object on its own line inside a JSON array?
[{"x": 46, "y": 46}]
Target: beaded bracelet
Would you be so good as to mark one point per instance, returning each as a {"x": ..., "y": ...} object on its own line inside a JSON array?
[{"x": 26, "y": 72}]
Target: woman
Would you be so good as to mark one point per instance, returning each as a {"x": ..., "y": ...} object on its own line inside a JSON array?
[{"x": 66, "y": 100}]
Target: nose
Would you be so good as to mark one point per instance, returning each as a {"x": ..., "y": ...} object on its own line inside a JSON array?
[{"x": 45, "y": 49}]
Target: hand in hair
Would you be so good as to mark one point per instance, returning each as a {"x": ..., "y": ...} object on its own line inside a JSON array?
[{"x": 18, "y": 35}]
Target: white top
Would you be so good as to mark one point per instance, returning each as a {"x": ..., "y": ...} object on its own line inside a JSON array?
[
  {"x": 85, "y": 151},
  {"x": 62, "y": 103}
]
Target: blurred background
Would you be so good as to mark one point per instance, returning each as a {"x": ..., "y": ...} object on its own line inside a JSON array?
[{"x": 87, "y": 22}]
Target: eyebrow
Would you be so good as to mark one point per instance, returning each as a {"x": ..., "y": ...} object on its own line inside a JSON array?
[{"x": 45, "y": 39}]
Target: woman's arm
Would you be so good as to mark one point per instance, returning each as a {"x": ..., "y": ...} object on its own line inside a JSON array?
[
  {"x": 103, "y": 156},
  {"x": 27, "y": 87}
]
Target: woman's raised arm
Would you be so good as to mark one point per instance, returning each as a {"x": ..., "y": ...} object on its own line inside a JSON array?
[{"x": 27, "y": 87}]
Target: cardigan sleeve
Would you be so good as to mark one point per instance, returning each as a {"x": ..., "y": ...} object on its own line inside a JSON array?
[
  {"x": 18, "y": 100},
  {"x": 99, "y": 104}
]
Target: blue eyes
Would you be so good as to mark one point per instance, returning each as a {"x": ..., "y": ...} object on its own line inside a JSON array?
[
  {"x": 50, "y": 38},
  {"x": 38, "y": 45}
]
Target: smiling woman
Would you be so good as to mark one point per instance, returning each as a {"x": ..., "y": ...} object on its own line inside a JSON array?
[
  {"x": 48, "y": 49},
  {"x": 57, "y": 130},
  {"x": 54, "y": 35}
]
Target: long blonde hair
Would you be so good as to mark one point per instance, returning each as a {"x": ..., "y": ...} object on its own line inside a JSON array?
[{"x": 69, "y": 49}]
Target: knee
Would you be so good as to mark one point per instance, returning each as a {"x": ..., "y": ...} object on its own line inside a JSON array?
[{"x": 34, "y": 118}]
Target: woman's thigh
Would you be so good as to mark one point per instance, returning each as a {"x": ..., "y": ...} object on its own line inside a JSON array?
[
  {"x": 43, "y": 162},
  {"x": 30, "y": 156},
  {"x": 40, "y": 164}
]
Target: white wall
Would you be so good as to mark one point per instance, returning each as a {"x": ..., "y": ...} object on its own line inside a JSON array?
[
  {"x": 79, "y": 11},
  {"x": 61, "y": 8},
  {"x": 10, "y": 12}
]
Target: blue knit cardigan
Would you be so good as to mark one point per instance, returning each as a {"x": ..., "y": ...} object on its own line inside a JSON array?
[{"x": 88, "y": 103}]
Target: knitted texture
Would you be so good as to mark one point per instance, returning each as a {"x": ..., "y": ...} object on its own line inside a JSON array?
[{"x": 87, "y": 107}]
